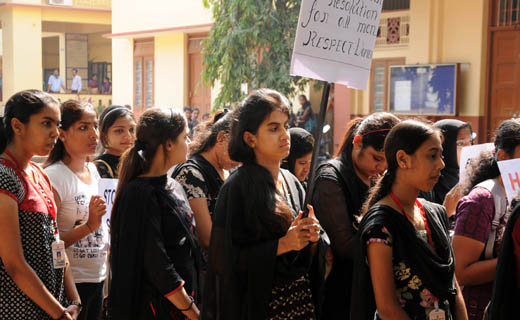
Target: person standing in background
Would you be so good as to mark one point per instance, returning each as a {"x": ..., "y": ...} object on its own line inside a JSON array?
[
  {"x": 76, "y": 81},
  {"x": 93, "y": 85},
  {"x": 55, "y": 82}
]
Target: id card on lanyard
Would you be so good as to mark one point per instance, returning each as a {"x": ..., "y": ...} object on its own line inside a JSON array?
[
  {"x": 58, "y": 250},
  {"x": 437, "y": 314}
]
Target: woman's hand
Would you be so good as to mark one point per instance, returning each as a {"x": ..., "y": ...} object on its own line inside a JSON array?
[
  {"x": 296, "y": 237},
  {"x": 73, "y": 310},
  {"x": 96, "y": 209},
  {"x": 312, "y": 225}
]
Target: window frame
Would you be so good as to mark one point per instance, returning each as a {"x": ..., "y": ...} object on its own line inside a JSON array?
[{"x": 386, "y": 62}]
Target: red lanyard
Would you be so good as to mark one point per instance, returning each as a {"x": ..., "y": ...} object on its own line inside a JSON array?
[
  {"x": 41, "y": 192},
  {"x": 423, "y": 214}
]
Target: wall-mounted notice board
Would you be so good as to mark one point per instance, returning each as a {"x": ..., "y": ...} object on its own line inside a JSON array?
[{"x": 423, "y": 89}]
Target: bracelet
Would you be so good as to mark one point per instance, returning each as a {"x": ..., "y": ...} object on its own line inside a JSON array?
[
  {"x": 88, "y": 227},
  {"x": 77, "y": 304},
  {"x": 190, "y": 306}
]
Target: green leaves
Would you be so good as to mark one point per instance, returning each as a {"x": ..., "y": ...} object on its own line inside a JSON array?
[{"x": 251, "y": 42}]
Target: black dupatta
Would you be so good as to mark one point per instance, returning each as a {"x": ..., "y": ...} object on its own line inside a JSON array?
[
  {"x": 243, "y": 266},
  {"x": 435, "y": 267}
]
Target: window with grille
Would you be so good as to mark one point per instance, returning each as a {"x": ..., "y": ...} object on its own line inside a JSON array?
[
  {"x": 396, "y": 5},
  {"x": 507, "y": 12}
]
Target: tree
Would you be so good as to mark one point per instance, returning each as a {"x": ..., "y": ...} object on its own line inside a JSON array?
[{"x": 251, "y": 42}]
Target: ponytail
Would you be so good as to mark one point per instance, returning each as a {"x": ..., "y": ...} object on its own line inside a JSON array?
[
  {"x": 131, "y": 165},
  {"x": 346, "y": 146},
  {"x": 380, "y": 190}
]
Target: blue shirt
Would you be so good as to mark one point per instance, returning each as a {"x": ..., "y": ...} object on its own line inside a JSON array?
[{"x": 55, "y": 83}]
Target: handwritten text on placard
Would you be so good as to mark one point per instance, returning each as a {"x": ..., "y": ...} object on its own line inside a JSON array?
[{"x": 335, "y": 40}]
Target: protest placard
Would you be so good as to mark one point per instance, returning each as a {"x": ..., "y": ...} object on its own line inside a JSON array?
[
  {"x": 510, "y": 172},
  {"x": 107, "y": 189},
  {"x": 469, "y": 153},
  {"x": 335, "y": 40}
]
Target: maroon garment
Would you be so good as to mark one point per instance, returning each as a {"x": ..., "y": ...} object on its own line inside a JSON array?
[{"x": 474, "y": 217}]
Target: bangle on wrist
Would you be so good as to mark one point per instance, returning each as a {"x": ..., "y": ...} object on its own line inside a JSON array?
[
  {"x": 77, "y": 304},
  {"x": 189, "y": 307},
  {"x": 89, "y": 229}
]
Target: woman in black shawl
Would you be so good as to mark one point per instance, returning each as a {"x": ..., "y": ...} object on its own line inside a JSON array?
[
  {"x": 341, "y": 186},
  {"x": 405, "y": 267},
  {"x": 300, "y": 156},
  {"x": 456, "y": 135},
  {"x": 259, "y": 252},
  {"x": 153, "y": 250}
]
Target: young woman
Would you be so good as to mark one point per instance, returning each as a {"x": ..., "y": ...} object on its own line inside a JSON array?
[
  {"x": 300, "y": 156},
  {"x": 259, "y": 252},
  {"x": 405, "y": 268},
  {"x": 80, "y": 209},
  {"x": 341, "y": 186},
  {"x": 154, "y": 275},
  {"x": 117, "y": 134},
  {"x": 31, "y": 285},
  {"x": 206, "y": 170},
  {"x": 305, "y": 118},
  {"x": 481, "y": 219}
]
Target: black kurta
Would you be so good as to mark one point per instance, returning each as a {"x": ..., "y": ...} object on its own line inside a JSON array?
[
  {"x": 243, "y": 266},
  {"x": 504, "y": 301},
  {"x": 337, "y": 198},
  {"x": 153, "y": 250}
]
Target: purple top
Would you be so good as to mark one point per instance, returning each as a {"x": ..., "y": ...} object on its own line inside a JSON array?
[{"x": 474, "y": 217}]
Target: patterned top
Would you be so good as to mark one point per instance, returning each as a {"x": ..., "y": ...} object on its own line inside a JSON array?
[
  {"x": 195, "y": 186},
  {"x": 37, "y": 235},
  {"x": 474, "y": 217},
  {"x": 412, "y": 294}
]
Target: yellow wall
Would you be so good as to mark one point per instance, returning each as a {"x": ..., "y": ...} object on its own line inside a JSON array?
[
  {"x": 99, "y": 48},
  {"x": 76, "y": 16},
  {"x": 51, "y": 52},
  {"x": 122, "y": 71},
  {"x": 170, "y": 70},
  {"x": 22, "y": 44},
  {"x": 444, "y": 31},
  {"x": 138, "y": 15}
]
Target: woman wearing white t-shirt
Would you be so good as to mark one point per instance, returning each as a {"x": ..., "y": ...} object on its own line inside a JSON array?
[{"x": 75, "y": 185}]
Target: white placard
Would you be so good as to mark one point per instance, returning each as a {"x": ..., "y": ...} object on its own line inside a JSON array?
[
  {"x": 403, "y": 95},
  {"x": 107, "y": 190},
  {"x": 469, "y": 153},
  {"x": 335, "y": 40},
  {"x": 510, "y": 172}
]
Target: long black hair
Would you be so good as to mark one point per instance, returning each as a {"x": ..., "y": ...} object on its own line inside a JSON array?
[
  {"x": 207, "y": 132},
  {"x": 155, "y": 127},
  {"x": 107, "y": 119},
  {"x": 484, "y": 167},
  {"x": 408, "y": 136},
  {"x": 248, "y": 117},
  {"x": 22, "y": 105},
  {"x": 368, "y": 130},
  {"x": 71, "y": 112}
]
